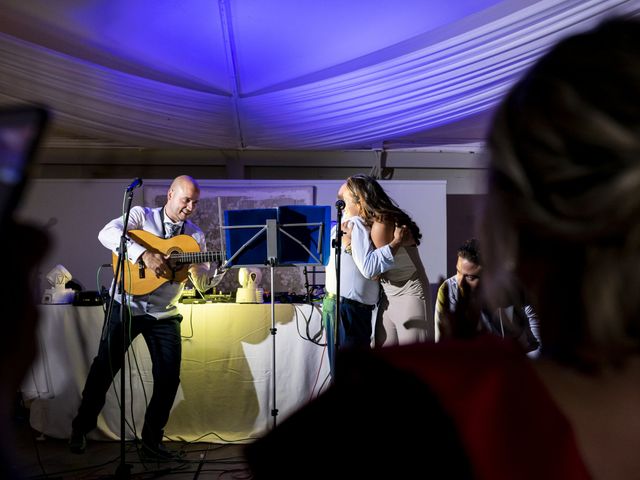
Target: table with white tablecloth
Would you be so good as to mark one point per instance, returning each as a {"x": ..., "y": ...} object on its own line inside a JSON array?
[{"x": 226, "y": 390}]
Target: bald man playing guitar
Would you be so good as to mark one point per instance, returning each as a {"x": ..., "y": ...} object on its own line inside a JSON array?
[{"x": 164, "y": 248}]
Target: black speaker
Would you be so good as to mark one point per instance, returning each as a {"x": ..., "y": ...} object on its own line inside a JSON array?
[{"x": 87, "y": 298}]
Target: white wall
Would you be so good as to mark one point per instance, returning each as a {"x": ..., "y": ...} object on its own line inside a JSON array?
[{"x": 73, "y": 211}]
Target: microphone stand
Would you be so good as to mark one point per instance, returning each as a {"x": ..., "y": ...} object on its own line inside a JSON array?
[
  {"x": 123, "y": 470},
  {"x": 337, "y": 245}
]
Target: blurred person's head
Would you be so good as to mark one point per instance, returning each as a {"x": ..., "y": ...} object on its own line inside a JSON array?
[{"x": 563, "y": 209}]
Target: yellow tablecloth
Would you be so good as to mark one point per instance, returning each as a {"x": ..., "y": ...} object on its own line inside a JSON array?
[{"x": 226, "y": 391}]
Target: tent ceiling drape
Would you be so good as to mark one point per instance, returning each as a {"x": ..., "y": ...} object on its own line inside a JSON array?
[{"x": 283, "y": 74}]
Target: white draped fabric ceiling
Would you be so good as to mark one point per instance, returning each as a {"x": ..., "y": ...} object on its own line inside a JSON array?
[{"x": 279, "y": 74}]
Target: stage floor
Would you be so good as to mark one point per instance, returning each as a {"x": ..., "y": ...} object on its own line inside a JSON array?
[{"x": 39, "y": 457}]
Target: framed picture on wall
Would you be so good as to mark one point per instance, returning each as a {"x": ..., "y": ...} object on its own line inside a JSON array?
[{"x": 209, "y": 216}]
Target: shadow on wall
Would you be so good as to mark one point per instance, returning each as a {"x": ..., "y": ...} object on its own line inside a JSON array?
[{"x": 462, "y": 221}]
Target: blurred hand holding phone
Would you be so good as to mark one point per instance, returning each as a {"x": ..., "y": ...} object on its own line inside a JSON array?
[{"x": 23, "y": 247}]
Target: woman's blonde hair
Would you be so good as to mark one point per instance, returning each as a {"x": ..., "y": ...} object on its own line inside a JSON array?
[{"x": 563, "y": 209}]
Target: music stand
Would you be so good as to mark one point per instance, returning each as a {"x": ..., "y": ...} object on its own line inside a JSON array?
[{"x": 287, "y": 235}]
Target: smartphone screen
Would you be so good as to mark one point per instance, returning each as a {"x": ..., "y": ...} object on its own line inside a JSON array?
[{"x": 20, "y": 131}]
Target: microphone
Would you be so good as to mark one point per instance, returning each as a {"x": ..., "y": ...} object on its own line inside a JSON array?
[
  {"x": 340, "y": 204},
  {"x": 137, "y": 182}
]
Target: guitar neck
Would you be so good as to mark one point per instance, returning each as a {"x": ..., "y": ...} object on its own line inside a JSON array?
[{"x": 197, "y": 257}]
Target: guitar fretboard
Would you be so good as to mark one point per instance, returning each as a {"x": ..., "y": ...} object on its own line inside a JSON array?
[{"x": 197, "y": 257}]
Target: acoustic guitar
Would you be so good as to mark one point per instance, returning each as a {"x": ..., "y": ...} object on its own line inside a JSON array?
[{"x": 183, "y": 250}]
